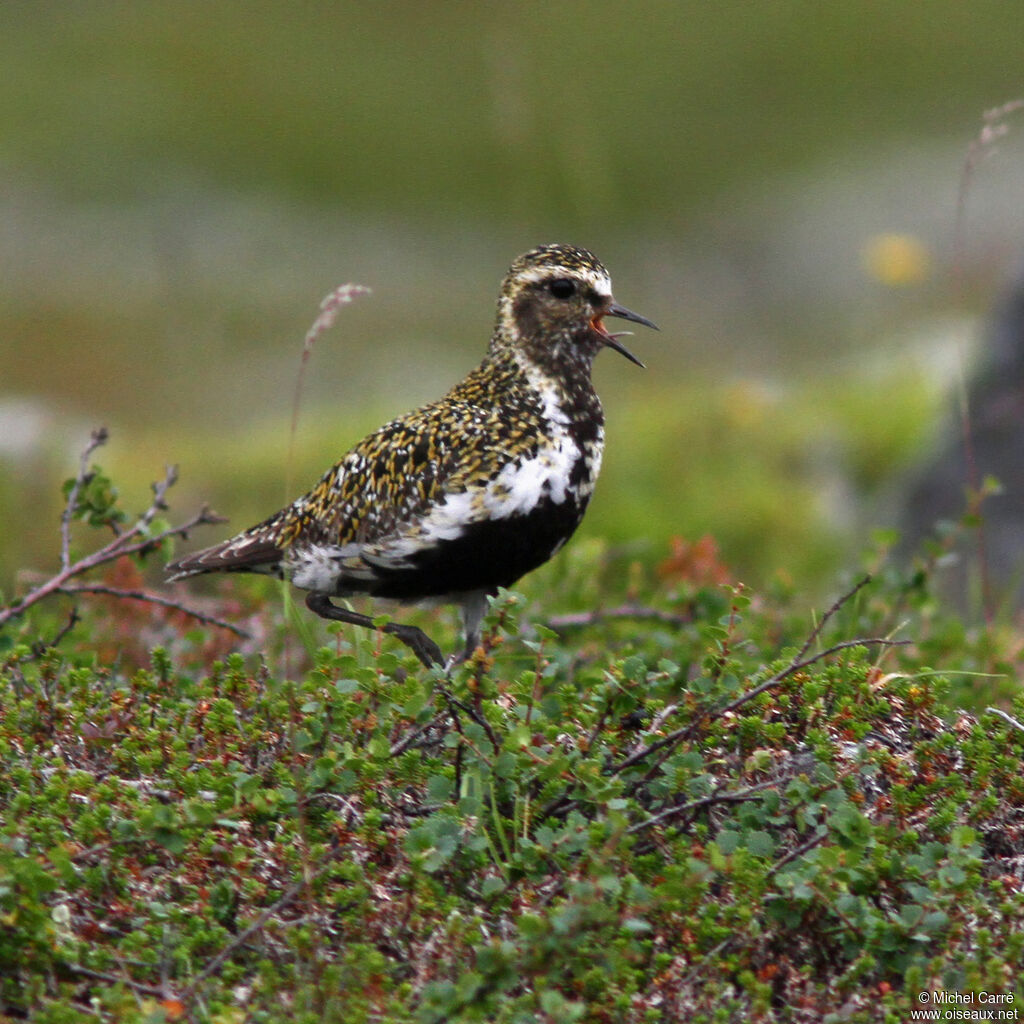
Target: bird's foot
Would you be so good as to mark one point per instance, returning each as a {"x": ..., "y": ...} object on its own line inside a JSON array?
[
  {"x": 418, "y": 642},
  {"x": 460, "y": 657},
  {"x": 412, "y": 636}
]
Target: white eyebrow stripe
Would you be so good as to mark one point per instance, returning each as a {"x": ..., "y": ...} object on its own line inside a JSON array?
[{"x": 601, "y": 283}]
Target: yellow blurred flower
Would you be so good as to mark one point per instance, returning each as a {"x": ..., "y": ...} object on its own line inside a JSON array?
[
  {"x": 746, "y": 402},
  {"x": 896, "y": 260}
]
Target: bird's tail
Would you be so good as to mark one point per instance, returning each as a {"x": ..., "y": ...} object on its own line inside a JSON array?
[{"x": 245, "y": 553}]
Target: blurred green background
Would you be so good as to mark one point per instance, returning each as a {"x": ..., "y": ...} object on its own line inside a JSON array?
[{"x": 775, "y": 183}]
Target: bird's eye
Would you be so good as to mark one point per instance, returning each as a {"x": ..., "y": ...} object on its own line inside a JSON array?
[{"x": 562, "y": 288}]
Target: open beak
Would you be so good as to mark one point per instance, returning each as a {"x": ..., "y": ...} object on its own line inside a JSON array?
[{"x": 612, "y": 340}]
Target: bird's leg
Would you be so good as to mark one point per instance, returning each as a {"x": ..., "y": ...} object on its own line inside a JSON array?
[
  {"x": 412, "y": 636},
  {"x": 474, "y": 606}
]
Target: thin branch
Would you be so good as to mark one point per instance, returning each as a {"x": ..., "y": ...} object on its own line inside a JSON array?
[
  {"x": 836, "y": 605},
  {"x": 736, "y": 796},
  {"x": 794, "y": 666},
  {"x": 99, "y": 437},
  {"x": 474, "y": 714},
  {"x": 288, "y": 897},
  {"x": 799, "y": 851},
  {"x": 403, "y": 744},
  {"x": 330, "y": 306},
  {"x": 993, "y": 128},
  {"x": 44, "y": 645},
  {"x": 698, "y": 966},
  {"x": 116, "y": 979},
  {"x": 163, "y": 602},
  {"x": 578, "y": 620},
  {"x": 599, "y": 725},
  {"x": 132, "y": 541},
  {"x": 663, "y": 716},
  {"x": 656, "y": 723},
  {"x": 1006, "y": 718}
]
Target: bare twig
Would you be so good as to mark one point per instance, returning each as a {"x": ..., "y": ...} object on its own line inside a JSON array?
[
  {"x": 993, "y": 128},
  {"x": 836, "y": 605},
  {"x": 662, "y": 717},
  {"x": 698, "y": 966},
  {"x": 163, "y": 602},
  {"x": 599, "y": 725},
  {"x": 1006, "y": 718},
  {"x": 734, "y": 797},
  {"x": 576, "y": 620},
  {"x": 134, "y": 540},
  {"x": 116, "y": 979},
  {"x": 406, "y": 741},
  {"x": 799, "y": 851},
  {"x": 44, "y": 645},
  {"x": 98, "y": 438},
  {"x": 289, "y": 896},
  {"x": 794, "y": 666},
  {"x": 475, "y": 714},
  {"x": 329, "y": 308}
]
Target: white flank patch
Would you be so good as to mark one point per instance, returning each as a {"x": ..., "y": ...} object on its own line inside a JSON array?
[
  {"x": 320, "y": 568},
  {"x": 520, "y": 486},
  {"x": 447, "y": 520},
  {"x": 517, "y": 489}
]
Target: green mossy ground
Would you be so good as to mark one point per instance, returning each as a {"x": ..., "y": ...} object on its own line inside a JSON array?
[{"x": 597, "y": 819}]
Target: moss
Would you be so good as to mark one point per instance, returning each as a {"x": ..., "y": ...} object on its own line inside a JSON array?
[{"x": 691, "y": 805}]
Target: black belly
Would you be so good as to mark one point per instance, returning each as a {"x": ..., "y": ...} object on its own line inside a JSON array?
[{"x": 485, "y": 556}]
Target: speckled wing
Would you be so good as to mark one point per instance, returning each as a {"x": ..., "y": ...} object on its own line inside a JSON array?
[
  {"x": 412, "y": 484},
  {"x": 415, "y": 485}
]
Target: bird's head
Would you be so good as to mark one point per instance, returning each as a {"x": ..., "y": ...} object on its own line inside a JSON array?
[{"x": 553, "y": 303}]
